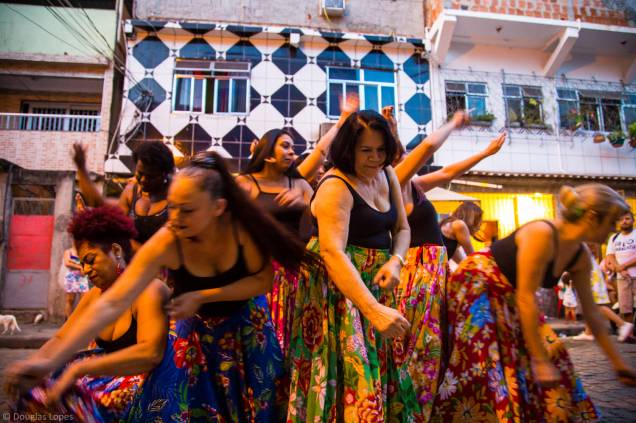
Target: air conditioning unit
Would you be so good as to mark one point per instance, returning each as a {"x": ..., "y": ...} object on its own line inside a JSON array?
[{"x": 333, "y": 7}]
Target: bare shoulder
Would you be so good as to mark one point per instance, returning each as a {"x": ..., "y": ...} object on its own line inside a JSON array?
[
  {"x": 537, "y": 236},
  {"x": 156, "y": 291}
]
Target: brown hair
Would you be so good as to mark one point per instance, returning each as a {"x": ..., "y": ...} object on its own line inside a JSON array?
[
  {"x": 468, "y": 212},
  {"x": 601, "y": 199},
  {"x": 272, "y": 239}
]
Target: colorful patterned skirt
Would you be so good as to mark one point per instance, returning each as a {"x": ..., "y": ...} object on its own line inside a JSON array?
[
  {"x": 488, "y": 376},
  {"x": 342, "y": 369},
  {"x": 420, "y": 299},
  {"x": 92, "y": 399},
  {"x": 281, "y": 302},
  {"x": 217, "y": 369}
]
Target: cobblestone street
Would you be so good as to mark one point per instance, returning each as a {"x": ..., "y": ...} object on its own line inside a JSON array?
[{"x": 616, "y": 402}]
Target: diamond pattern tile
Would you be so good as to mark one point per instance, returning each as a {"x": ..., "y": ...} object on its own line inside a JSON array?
[{"x": 151, "y": 51}]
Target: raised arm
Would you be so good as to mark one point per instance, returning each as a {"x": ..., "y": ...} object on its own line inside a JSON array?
[
  {"x": 535, "y": 251},
  {"x": 406, "y": 169},
  {"x": 332, "y": 208},
  {"x": 89, "y": 191},
  {"x": 450, "y": 172},
  {"x": 312, "y": 162}
]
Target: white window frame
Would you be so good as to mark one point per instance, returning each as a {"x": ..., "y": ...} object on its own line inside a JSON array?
[
  {"x": 467, "y": 93},
  {"x": 213, "y": 72},
  {"x": 599, "y": 109},
  {"x": 361, "y": 83},
  {"x": 521, "y": 97}
]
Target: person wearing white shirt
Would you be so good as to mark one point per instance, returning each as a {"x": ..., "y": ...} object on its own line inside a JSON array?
[{"x": 621, "y": 258}]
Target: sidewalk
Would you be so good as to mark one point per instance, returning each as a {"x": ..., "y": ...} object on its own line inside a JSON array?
[{"x": 32, "y": 336}]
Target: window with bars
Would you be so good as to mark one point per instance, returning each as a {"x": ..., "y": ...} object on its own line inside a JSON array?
[
  {"x": 466, "y": 96},
  {"x": 595, "y": 111},
  {"x": 524, "y": 105},
  {"x": 374, "y": 88},
  {"x": 211, "y": 87}
]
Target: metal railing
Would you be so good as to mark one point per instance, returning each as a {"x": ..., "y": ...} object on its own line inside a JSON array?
[{"x": 48, "y": 122}]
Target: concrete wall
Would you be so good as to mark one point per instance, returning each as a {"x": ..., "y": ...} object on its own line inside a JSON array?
[
  {"x": 609, "y": 12},
  {"x": 404, "y": 17},
  {"x": 34, "y": 30}
]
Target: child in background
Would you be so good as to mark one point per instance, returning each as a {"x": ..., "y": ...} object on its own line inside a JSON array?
[{"x": 569, "y": 298}]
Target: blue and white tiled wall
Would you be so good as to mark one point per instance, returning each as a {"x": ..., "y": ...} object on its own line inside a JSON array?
[{"x": 288, "y": 86}]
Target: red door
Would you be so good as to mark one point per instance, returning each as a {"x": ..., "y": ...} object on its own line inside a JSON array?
[{"x": 28, "y": 261}]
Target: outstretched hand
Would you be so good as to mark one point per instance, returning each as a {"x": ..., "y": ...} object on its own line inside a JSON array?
[
  {"x": 26, "y": 374},
  {"x": 496, "y": 144},
  {"x": 387, "y": 113},
  {"x": 348, "y": 105},
  {"x": 79, "y": 155},
  {"x": 460, "y": 119}
]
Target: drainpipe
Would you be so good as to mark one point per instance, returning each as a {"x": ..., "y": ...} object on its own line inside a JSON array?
[{"x": 6, "y": 213}]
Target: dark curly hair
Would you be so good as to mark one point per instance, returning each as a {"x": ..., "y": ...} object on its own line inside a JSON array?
[
  {"x": 154, "y": 154},
  {"x": 104, "y": 226},
  {"x": 343, "y": 147}
]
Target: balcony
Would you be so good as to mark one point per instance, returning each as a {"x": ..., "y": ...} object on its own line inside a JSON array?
[
  {"x": 43, "y": 141},
  {"x": 75, "y": 122}
]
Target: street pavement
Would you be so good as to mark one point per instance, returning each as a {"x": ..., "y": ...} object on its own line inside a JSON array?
[{"x": 616, "y": 402}]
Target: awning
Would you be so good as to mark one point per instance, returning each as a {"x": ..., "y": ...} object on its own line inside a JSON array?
[{"x": 441, "y": 194}]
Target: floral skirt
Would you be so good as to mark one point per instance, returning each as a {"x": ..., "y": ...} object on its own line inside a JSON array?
[
  {"x": 217, "y": 369},
  {"x": 342, "y": 369},
  {"x": 488, "y": 376},
  {"x": 420, "y": 299},
  {"x": 281, "y": 302},
  {"x": 75, "y": 282},
  {"x": 92, "y": 399}
]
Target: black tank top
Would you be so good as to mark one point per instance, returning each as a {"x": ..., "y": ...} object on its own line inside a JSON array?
[
  {"x": 423, "y": 221},
  {"x": 184, "y": 281},
  {"x": 368, "y": 227},
  {"x": 505, "y": 253},
  {"x": 146, "y": 225},
  {"x": 450, "y": 244},
  {"x": 289, "y": 216},
  {"x": 128, "y": 339}
]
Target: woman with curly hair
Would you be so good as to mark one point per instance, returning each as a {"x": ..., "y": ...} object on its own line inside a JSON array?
[
  {"x": 105, "y": 378},
  {"x": 505, "y": 361},
  {"x": 223, "y": 361}
]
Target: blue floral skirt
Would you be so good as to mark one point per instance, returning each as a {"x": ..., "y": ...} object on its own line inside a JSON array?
[{"x": 217, "y": 369}]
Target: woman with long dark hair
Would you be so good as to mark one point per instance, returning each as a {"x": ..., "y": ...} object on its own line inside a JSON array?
[
  {"x": 281, "y": 188},
  {"x": 105, "y": 378},
  {"x": 343, "y": 367},
  {"x": 505, "y": 361},
  {"x": 143, "y": 199},
  {"x": 423, "y": 277},
  {"x": 223, "y": 361}
]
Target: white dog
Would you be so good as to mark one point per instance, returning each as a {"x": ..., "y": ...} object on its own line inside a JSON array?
[{"x": 9, "y": 323}]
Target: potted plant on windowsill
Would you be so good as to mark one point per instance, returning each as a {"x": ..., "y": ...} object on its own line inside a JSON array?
[
  {"x": 598, "y": 138},
  {"x": 575, "y": 120},
  {"x": 631, "y": 130},
  {"x": 616, "y": 138},
  {"x": 534, "y": 124},
  {"x": 484, "y": 119}
]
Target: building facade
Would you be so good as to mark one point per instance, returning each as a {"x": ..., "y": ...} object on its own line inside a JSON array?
[
  {"x": 558, "y": 76},
  {"x": 215, "y": 85},
  {"x": 59, "y": 85}
]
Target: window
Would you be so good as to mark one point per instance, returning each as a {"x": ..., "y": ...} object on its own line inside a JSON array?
[
  {"x": 594, "y": 111},
  {"x": 523, "y": 105},
  {"x": 375, "y": 88},
  {"x": 211, "y": 87},
  {"x": 466, "y": 96}
]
